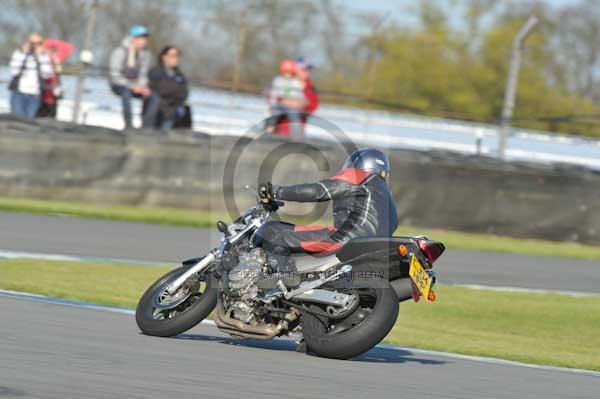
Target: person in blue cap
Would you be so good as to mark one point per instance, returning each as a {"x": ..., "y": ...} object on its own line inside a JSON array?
[
  {"x": 303, "y": 69},
  {"x": 129, "y": 65}
]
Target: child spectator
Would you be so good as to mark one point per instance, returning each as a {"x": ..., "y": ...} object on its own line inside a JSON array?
[
  {"x": 303, "y": 70},
  {"x": 286, "y": 97},
  {"x": 29, "y": 67},
  {"x": 58, "y": 51}
]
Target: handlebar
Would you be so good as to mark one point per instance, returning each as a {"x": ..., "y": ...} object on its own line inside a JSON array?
[{"x": 273, "y": 205}]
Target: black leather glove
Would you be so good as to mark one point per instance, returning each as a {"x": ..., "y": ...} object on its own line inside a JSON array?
[{"x": 265, "y": 192}]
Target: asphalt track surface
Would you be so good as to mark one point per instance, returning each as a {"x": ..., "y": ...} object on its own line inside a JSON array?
[
  {"x": 54, "y": 351},
  {"x": 110, "y": 239}
]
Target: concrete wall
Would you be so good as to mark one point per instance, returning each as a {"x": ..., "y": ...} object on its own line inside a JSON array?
[{"x": 46, "y": 159}]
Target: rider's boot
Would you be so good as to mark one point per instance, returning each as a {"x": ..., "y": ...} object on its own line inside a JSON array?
[{"x": 301, "y": 347}]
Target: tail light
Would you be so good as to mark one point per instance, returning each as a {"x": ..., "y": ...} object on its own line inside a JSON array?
[{"x": 431, "y": 249}]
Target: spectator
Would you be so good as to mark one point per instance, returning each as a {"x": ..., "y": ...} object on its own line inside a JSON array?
[
  {"x": 303, "y": 69},
  {"x": 129, "y": 65},
  {"x": 29, "y": 66},
  {"x": 286, "y": 97},
  {"x": 170, "y": 86},
  {"x": 58, "y": 51},
  {"x": 311, "y": 96}
]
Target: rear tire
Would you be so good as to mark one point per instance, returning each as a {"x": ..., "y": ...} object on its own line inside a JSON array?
[
  {"x": 359, "y": 338},
  {"x": 191, "y": 312}
]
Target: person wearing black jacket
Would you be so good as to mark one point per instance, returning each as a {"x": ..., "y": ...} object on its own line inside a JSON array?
[
  {"x": 169, "y": 84},
  {"x": 362, "y": 206}
]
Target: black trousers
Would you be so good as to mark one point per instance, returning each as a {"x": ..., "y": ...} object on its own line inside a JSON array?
[
  {"x": 282, "y": 239},
  {"x": 47, "y": 111}
]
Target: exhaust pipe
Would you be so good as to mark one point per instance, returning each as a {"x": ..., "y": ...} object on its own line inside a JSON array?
[
  {"x": 403, "y": 288},
  {"x": 239, "y": 329}
]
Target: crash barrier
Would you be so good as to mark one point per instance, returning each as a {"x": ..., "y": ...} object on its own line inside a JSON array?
[{"x": 55, "y": 160}]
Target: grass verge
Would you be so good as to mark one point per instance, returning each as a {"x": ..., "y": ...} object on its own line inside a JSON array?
[
  {"x": 153, "y": 215},
  {"x": 106, "y": 284},
  {"x": 194, "y": 218},
  {"x": 534, "y": 328},
  {"x": 504, "y": 244}
]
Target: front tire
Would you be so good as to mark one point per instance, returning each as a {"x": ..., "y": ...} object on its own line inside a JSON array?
[
  {"x": 380, "y": 305},
  {"x": 168, "y": 323}
]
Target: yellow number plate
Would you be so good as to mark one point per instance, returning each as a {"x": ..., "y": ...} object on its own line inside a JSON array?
[{"x": 419, "y": 277}]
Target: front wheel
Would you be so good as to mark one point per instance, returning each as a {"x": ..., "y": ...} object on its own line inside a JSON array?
[
  {"x": 358, "y": 332},
  {"x": 165, "y": 316}
]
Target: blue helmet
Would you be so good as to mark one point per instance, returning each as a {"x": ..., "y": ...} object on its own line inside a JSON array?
[
  {"x": 369, "y": 160},
  {"x": 138, "y": 31}
]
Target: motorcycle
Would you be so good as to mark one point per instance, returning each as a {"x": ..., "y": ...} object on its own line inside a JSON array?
[{"x": 345, "y": 304}]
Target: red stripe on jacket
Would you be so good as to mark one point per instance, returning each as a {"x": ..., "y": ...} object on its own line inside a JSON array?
[{"x": 352, "y": 176}]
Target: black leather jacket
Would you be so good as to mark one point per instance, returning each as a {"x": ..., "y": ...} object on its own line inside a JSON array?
[
  {"x": 362, "y": 202},
  {"x": 171, "y": 88}
]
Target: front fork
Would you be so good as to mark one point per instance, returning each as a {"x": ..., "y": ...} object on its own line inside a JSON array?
[
  {"x": 226, "y": 241},
  {"x": 198, "y": 267}
]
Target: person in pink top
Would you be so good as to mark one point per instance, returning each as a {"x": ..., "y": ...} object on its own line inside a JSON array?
[{"x": 58, "y": 51}]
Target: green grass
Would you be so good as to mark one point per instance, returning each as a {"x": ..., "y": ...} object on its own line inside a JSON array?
[
  {"x": 550, "y": 329},
  {"x": 495, "y": 243},
  {"x": 197, "y": 218},
  {"x": 153, "y": 215},
  {"x": 106, "y": 284},
  {"x": 535, "y": 328}
]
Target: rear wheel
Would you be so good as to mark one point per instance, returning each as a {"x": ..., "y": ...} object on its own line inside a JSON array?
[
  {"x": 164, "y": 315},
  {"x": 356, "y": 333}
]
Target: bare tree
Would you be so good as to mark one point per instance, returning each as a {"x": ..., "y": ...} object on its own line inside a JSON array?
[
  {"x": 333, "y": 33},
  {"x": 373, "y": 41},
  {"x": 257, "y": 34},
  {"x": 116, "y": 17},
  {"x": 63, "y": 20},
  {"x": 577, "y": 43}
]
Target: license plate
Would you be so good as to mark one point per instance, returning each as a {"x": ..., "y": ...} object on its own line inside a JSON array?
[{"x": 420, "y": 277}]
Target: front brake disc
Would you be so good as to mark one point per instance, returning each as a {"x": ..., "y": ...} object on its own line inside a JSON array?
[{"x": 163, "y": 300}]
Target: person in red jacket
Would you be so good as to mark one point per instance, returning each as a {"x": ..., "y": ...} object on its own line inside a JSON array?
[
  {"x": 58, "y": 51},
  {"x": 303, "y": 69}
]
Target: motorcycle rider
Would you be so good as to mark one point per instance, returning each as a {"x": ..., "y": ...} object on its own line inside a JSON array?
[{"x": 362, "y": 206}]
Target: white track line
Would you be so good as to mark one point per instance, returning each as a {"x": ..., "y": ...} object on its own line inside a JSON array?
[
  {"x": 523, "y": 290},
  {"x": 480, "y": 359},
  {"x": 6, "y": 254},
  {"x": 495, "y": 360}
]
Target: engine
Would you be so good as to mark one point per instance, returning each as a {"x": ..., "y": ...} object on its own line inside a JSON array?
[{"x": 243, "y": 291}]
